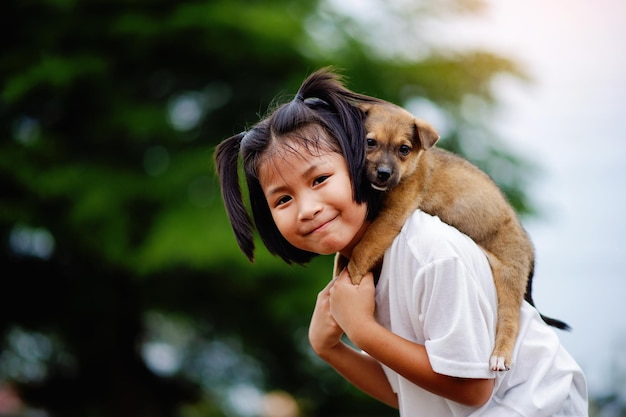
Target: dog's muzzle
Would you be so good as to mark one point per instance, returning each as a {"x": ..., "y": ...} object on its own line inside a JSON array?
[
  {"x": 378, "y": 187},
  {"x": 381, "y": 182}
]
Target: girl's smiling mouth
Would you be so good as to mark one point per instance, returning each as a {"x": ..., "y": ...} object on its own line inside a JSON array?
[{"x": 321, "y": 226}]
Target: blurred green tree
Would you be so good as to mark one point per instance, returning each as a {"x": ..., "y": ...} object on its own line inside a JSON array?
[{"x": 123, "y": 290}]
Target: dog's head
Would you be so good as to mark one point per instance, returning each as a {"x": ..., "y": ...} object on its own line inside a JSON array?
[{"x": 395, "y": 139}]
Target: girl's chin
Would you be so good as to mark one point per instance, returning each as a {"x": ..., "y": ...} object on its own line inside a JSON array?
[{"x": 330, "y": 249}]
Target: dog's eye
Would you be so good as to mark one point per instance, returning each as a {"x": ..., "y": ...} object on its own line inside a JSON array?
[
  {"x": 404, "y": 150},
  {"x": 371, "y": 143}
]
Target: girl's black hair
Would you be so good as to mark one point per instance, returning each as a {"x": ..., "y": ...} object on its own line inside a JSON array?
[{"x": 322, "y": 101}]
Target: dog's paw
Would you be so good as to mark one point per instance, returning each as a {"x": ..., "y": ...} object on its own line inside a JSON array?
[
  {"x": 355, "y": 274},
  {"x": 497, "y": 363},
  {"x": 356, "y": 279}
]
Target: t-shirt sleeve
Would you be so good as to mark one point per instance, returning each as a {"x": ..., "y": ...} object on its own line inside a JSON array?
[{"x": 457, "y": 317}]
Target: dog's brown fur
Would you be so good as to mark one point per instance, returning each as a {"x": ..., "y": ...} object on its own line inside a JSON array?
[{"x": 401, "y": 160}]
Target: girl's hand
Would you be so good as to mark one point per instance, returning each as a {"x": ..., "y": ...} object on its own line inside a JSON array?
[
  {"x": 352, "y": 306},
  {"x": 324, "y": 332}
]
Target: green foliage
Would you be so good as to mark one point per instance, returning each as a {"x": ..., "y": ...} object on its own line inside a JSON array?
[{"x": 111, "y": 214}]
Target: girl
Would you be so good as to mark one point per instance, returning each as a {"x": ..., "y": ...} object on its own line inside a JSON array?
[{"x": 425, "y": 324}]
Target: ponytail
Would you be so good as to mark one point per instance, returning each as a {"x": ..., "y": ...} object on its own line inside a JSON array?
[{"x": 226, "y": 163}]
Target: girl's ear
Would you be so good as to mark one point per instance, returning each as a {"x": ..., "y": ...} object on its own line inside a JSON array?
[
  {"x": 427, "y": 134},
  {"x": 226, "y": 163}
]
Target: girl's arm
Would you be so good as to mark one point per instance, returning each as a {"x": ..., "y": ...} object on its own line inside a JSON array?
[
  {"x": 353, "y": 309},
  {"x": 361, "y": 370}
]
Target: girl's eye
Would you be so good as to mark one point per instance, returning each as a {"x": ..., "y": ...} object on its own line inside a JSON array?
[
  {"x": 283, "y": 200},
  {"x": 320, "y": 179}
]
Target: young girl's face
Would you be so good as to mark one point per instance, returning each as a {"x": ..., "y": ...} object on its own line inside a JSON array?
[{"x": 309, "y": 194}]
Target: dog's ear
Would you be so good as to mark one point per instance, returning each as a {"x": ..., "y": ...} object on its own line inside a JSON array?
[
  {"x": 426, "y": 134},
  {"x": 364, "y": 107}
]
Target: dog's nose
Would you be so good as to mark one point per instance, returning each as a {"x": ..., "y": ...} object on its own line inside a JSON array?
[{"x": 383, "y": 174}]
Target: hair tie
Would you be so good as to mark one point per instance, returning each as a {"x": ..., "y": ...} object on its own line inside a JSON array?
[{"x": 299, "y": 97}]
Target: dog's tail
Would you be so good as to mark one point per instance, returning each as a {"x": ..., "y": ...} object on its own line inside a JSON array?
[{"x": 548, "y": 320}]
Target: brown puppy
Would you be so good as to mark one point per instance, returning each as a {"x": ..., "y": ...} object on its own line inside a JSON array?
[{"x": 401, "y": 160}]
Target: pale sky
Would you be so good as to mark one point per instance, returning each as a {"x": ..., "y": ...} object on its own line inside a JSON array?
[{"x": 572, "y": 120}]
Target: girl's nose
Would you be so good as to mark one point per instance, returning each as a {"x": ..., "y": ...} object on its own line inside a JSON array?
[{"x": 309, "y": 208}]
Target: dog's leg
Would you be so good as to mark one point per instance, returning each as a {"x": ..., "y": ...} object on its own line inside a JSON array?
[
  {"x": 510, "y": 282},
  {"x": 399, "y": 204},
  {"x": 378, "y": 237}
]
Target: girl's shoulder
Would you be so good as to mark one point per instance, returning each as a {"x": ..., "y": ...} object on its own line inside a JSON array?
[
  {"x": 429, "y": 239},
  {"x": 425, "y": 229}
]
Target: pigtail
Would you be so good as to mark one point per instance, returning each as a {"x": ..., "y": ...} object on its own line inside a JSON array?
[
  {"x": 226, "y": 162},
  {"x": 329, "y": 86}
]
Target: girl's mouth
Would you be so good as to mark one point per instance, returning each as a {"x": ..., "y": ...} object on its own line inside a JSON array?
[{"x": 319, "y": 227}]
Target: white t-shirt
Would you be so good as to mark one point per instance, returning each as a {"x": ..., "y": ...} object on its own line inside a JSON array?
[{"x": 436, "y": 289}]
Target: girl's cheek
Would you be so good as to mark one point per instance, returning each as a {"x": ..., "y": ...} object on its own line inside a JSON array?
[{"x": 281, "y": 221}]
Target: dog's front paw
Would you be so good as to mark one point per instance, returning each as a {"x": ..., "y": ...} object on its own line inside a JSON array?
[
  {"x": 355, "y": 275},
  {"x": 498, "y": 363},
  {"x": 356, "y": 279}
]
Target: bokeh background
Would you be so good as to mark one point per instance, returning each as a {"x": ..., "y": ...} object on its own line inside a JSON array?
[{"x": 123, "y": 292}]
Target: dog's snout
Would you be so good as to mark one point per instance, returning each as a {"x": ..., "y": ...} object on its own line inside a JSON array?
[{"x": 383, "y": 174}]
